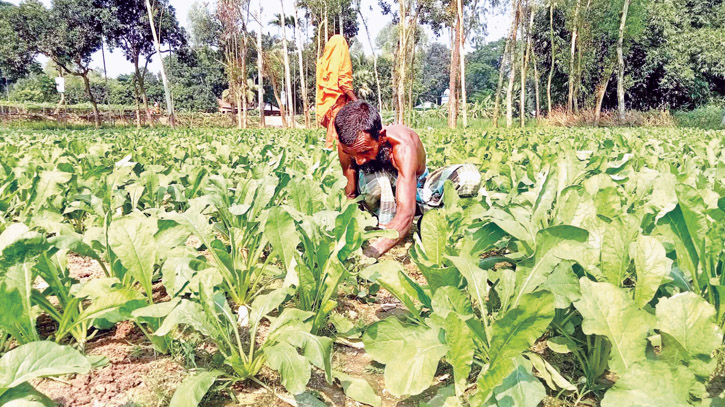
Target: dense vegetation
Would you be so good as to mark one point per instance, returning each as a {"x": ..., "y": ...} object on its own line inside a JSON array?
[
  {"x": 601, "y": 248},
  {"x": 671, "y": 58}
]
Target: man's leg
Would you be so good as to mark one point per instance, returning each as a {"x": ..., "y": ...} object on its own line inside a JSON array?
[
  {"x": 465, "y": 178},
  {"x": 377, "y": 191}
]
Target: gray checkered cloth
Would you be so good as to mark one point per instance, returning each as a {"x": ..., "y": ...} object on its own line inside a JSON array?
[{"x": 378, "y": 188}]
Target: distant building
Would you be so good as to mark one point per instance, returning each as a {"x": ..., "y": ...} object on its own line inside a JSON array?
[{"x": 445, "y": 96}]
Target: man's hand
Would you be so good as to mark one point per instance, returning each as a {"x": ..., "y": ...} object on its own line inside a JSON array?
[{"x": 371, "y": 251}]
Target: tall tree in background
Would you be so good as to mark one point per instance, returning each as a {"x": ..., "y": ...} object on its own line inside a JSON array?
[
  {"x": 303, "y": 86},
  {"x": 552, "y": 46},
  {"x": 287, "y": 79},
  {"x": 372, "y": 49},
  {"x": 462, "y": 57},
  {"x": 68, "y": 34},
  {"x": 525, "y": 52},
  {"x": 455, "y": 64},
  {"x": 131, "y": 32},
  {"x": 260, "y": 67},
  {"x": 16, "y": 55},
  {"x": 572, "y": 76},
  {"x": 164, "y": 79},
  {"x": 506, "y": 59},
  {"x": 620, "y": 60},
  {"x": 233, "y": 15},
  {"x": 512, "y": 62}
]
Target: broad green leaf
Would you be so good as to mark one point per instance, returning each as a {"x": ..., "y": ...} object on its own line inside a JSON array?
[
  {"x": 476, "y": 278},
  {"x": 553, "y": 245},
  {"x": 317, "y": 349},
  {"x": 608, "y": 311},
  {"x": 48, "y": 185},
  {"x": 615, "y": 247},
  {"x": 133, "y": 242},
  {"x": 551, "y": 376},
  {"x": 187, "y": 313},
  {"x": 292, "y": 367},
  {"x": 564, "y": 284},
  {"x": 410, "y": 353},
  {"x": 651, "y": 383},
  {"x": 511, "y": 335},
  {"x": 25, "y": 395},
  {"x": 652, "y": 267},
  {"x": 434, "y": 235},
  {"x": 266, "y": 303},
  {"x": 283, "y": 236},
  {"x": 520, "y": 388},
  {"x": 459, "y": 339},
  {"x": 193, "y": 388},
  {"x": 357, "y": 389},
  {"x": 690, "y": 320},
  {"x": 39, "y": 359}
]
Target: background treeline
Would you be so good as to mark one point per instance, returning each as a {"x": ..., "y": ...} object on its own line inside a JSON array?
[{"x": 569, "y": 56}]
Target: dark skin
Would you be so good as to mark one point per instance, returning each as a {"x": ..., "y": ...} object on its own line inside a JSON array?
[{"x": 407, "y": 157}]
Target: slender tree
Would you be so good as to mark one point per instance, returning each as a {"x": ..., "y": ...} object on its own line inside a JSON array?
[
  {"x": 131, "y": 32},
  {"x": 375, "y": 57},
  {"x": 572, "y": 75},
  {"x": 505, "y": 62},
  {"x": 552, "y": 66},
  {"x": 455, "y": 64},
  {"x": 461, "y": 41},
  {"x": 298, "y": 37},
  {"x": 260, "y": 67},
  {"x": 620, "y": 61},
  {"x": 167, "y": 91},
  {"x": 287, "y": 80},
  {"x": 525, "y": 51},
  {"x": 512, "y": 67}
]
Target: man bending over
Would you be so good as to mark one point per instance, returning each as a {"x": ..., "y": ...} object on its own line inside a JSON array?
[{"x": 387, "y": 166}]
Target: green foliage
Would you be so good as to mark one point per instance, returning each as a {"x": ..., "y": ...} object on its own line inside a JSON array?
[{"x": 604, "y": 245}]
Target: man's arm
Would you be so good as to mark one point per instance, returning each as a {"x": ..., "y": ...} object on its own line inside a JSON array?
[
  {"x": 349, "y": 171},
  {"x": 405, "y": 191}
]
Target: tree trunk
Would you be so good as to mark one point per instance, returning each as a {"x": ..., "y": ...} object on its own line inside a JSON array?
[
  {"x": 341, "y": 29},
  {"x": 402, "y": 59},
  {"x": 375, "y": 59},
  {"x": 461, "y": 42},
  {"x": 570, "y": 99},
  {"x": 600, "y": 92},
  {"x": 298, "y": 37},
  {"x": 87, "y": 83},
  {"x": 260, "y": 66},
  {"x": 411, "y": 75},
  {"x": 282, "y": 110},
  {"x": 167, "y": 91},
  {"x": 553, "y": 60},
  {"x": 138, "y": 106},
  {"x": 287, "y": 80},
  {"x": 525, "y": 33},
  {"x": 536, "y": 83},
  {"x": 620, "y": 61},
  {"x": 452, "y": 78},
  {"x": 504, "y": 63},
  {"x": 512, "y": 71},
  {"x": 326, "y": 37},
  {"x": 142, "y": 90}
]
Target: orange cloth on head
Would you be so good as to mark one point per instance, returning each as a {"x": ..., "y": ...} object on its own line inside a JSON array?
[{"x": 334, "y": 78}]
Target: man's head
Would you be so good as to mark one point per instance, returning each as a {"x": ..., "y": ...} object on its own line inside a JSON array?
[{"x": 360, "y": 131}]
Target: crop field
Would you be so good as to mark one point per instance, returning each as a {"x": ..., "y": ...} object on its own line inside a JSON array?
[{"x": 225, "y": 268}]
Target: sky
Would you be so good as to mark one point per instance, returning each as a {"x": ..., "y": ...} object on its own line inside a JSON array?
[{"x": 116, "y": 64}]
